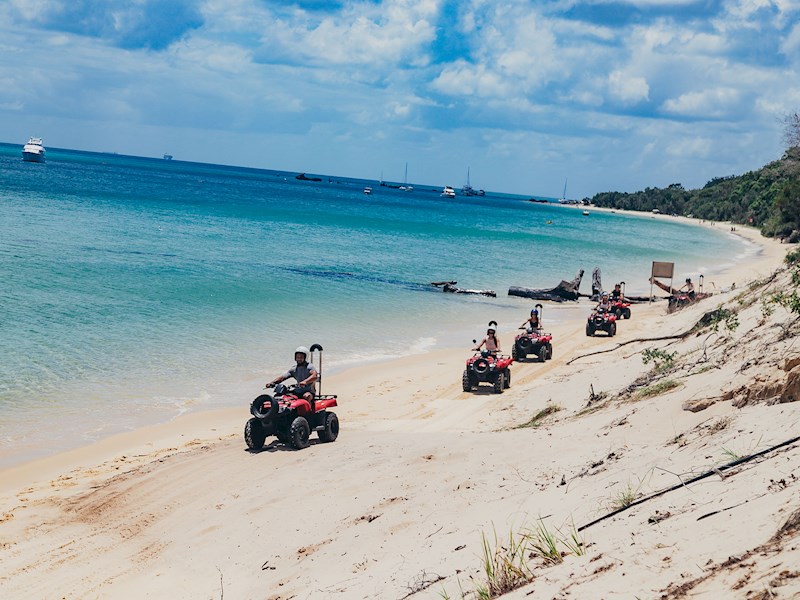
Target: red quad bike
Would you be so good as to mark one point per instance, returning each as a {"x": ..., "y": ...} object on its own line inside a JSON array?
[
  {"x": 291, "y": 418},
  {"x": 533, "y": 341},
  {"x": 483, "y": 367},
  {"x": 621, "y": 308},
  {"x": 601, "y": 320}
]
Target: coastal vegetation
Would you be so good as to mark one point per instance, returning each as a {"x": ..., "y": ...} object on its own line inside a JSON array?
[{"x": 767, "y": 198}]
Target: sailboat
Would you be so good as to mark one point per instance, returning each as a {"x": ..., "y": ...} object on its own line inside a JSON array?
[
  {"x": 563, "y": 199},
  {"x": 405, "y": 187},
  {"x": 468, "y": 190}
]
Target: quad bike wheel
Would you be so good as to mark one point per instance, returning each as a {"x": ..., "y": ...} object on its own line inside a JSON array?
[
  {"x": 612, "y": 329},
  {"x": 466, "y": 381},
  {"x": 525, "y": 343},
  {"x": 549, "y": 351},
  {"x": 299, "y": 433},
  {"x": 254, "y": 434},
  {"x": 507, "y": 374},
  {"x": 499, "y": 383},
  {"x": 514, "y": 353},
  {"x": 589, "y": 330},
  {"x": 626, "y": 314},
  {"x": 542, "y": 355},
  {"x": 331, "y": 431}
]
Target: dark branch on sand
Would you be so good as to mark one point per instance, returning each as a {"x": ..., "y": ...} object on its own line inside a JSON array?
[{"x": 704, "y": 321}]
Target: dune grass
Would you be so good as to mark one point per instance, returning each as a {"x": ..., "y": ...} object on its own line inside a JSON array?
[
  {"x": 540, "y": 416},
  {"x": 662, "y": 387}
]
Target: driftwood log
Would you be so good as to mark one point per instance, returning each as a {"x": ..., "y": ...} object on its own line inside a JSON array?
[
  {"x": 566, "y": 290},
  {"x": 450, "y": 287}
]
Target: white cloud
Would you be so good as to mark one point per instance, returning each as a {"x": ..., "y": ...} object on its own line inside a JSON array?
[
  {"x": 628, "y": 89},
  {"x": 708, "y": 104}
]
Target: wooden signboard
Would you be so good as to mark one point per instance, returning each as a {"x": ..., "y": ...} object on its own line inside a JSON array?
[{"x": 661, "y": 270}]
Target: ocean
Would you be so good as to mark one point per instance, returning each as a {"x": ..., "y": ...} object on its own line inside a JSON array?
[{"x": 137, "y": 289}]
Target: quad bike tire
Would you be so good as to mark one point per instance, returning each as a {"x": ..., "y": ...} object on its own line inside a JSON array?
[
  {"x": 299, "y": 432},
  {"x": 254, "y": 434},
  {"x": 480, "y": 366},
  {"x": 507, "y": 383},
  {"x": 626, "y": 314},
  {"x": 542, "y": 354},
  {"x": 499, "y": 383},
  {"x": 612, "y": 329},
  {"x": 514, "y": 353},
  {"x": 549, "y": 351},
  {"x": 589, "y": 330},
  {"x": 331, "y": 431},
  {"x": 466, "y": 381},
  {"x": 525, "y": 343}
]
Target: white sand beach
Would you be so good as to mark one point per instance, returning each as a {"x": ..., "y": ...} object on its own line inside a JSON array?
[{"x": 422, "y": 473}]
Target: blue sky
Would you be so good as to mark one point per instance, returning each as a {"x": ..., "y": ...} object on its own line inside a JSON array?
[{"x": 607, "y": 95}]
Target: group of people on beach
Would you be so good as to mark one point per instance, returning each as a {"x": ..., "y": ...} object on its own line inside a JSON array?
[{"x": 492, "y": 342}]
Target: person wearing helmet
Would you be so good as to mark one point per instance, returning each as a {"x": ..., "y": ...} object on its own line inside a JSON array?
[
  {"x": 533, "y": 322},
  {"x": 605, "y": 303},
  {"x": 491, "y": 341},
  {"x": 303, "y": 372}
]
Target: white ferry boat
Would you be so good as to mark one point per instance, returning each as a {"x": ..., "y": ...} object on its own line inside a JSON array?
[{"x": 33, "y": 151}]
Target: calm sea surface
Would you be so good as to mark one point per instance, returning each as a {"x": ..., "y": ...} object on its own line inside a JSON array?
[{"x": 134, "y": 289}]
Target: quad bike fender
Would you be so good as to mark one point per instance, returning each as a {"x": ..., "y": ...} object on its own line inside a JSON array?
[
  {"x": 300, "y": 406},
  {"x": 325, "y": 402}
]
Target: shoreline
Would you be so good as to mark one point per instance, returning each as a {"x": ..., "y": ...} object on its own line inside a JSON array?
[
  {"x": 422, "y": 470},
  {"x": 201, "y": 424}
]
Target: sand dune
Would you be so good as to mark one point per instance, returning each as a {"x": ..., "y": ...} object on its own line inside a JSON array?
[{"x": 398, "y": 506}]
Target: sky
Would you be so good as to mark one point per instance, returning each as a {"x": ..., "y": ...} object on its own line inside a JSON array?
[{"x": 527, "y": 95}]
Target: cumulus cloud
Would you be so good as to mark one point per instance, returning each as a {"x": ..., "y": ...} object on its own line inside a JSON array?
[
  {"x": 627, "y": 88},
  {"x": 705, "y": 104},
  {"x": 384, "y": 36}
]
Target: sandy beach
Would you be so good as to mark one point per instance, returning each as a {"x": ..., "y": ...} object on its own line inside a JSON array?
[{"x": 422, "y": 473}]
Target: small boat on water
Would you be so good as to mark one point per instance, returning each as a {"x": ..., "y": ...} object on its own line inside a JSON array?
[
  {"x": 585, "y": 213},
  {"x": 468, "y": 190},
  {"x": 405, "y": 187},
  {"x": 368, "y": 191},
  {"x": 168, "y": 157},
  {"x": 34, "y": 150},
  {"x": 448, "y": 192}
]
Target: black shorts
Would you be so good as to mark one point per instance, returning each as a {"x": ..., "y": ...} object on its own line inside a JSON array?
[{"x": 300, "y": 390}]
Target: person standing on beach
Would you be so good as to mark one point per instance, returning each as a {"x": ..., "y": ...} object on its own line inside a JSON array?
[
  {"x": 303, "y": 372},
  {"x": 491, "y": 341}
]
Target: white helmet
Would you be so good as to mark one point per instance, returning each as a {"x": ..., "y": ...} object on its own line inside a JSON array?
[{"x": 302, "y": 350}]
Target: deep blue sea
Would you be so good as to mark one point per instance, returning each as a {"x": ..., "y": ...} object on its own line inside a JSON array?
[{"x": 135, "y": 289}]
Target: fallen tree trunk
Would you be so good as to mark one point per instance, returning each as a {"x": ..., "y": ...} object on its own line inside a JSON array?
[
  {"x": 566, "y": 290},
  {"x": 450, "y": 287}
]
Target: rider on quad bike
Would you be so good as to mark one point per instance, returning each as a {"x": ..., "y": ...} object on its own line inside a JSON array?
[
  {"x": 533, "y": 341},
  {"x": 294, "y": 411},
  {"x": 603, "y": 318},
  {"x": 488, "y": 365},
  {"x": 620, "y": 306},
  {"x": 304, "y": 373}
]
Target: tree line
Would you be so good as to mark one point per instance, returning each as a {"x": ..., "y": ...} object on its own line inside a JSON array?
[{"x": 768, "y": 198}]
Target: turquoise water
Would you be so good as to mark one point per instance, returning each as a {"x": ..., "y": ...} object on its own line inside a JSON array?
[{"x": 136, "y": 289}]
